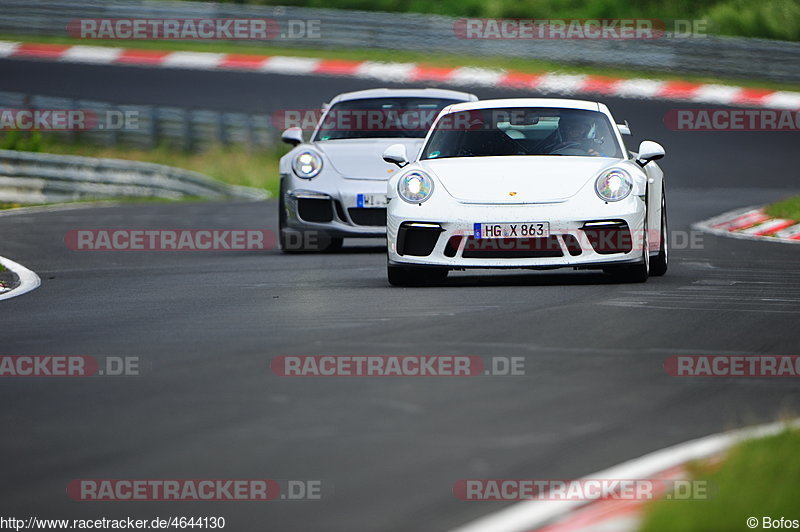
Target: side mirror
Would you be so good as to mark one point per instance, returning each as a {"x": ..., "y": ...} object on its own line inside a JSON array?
[
  {"x": 396, "y": 154},
  {"x": 293, "y": 136},
  {"x": 649, "y": 151}
]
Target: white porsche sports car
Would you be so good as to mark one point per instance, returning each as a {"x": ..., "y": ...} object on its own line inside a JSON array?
[
  {"x": 526, "y": 183},
  {"x": 334, "y": 186}
]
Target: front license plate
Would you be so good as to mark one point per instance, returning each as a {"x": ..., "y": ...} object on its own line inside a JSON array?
[
  {"x": 515, "y": 230},
  {"x": 371, "y": 200}
]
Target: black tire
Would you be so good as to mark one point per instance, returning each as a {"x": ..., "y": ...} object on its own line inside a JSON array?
[
  {"x": 633, "y": 273},
  {"x": 334, "y": 244},
  {"x": 283, "y": 242},
  {"x": 659, "y": 263},
  {"x": 411, "y": 276},
  {"x": 638, "y": 273},
  {"x": 294, "y": 241}
]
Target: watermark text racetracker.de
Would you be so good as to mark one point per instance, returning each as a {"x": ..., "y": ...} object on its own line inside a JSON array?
[
  {"x": 69, "y": 366},
  {"x": 587, "y": 239},
  {"x": 576, "y": 29},
  {"x": 337, "y": 120},
  {"x": 732, "y": 120},
  {"x": 121, "y": 239},
  {"x": 68, "y": 120},
  {"x": 258, "y": 489},
  {"x": 169, "y": 239},
  {"x": 580, "y": 490},
  {"x": 733, "y": 365},
  {"x": 396, "y": 366},
  {"x": 172, "y": 29}
]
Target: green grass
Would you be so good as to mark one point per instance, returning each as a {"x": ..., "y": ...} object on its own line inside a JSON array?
[
  {"x": 532, "y": 66},
  {"x": 234, "y": 165},
  {"x": 788, "y": 208},
  {"x": 112, "y": 199},
  {"x": 9, "y": 205},
  {"x": 771, "y": 19},
  {"x": 757, "y": 478}
]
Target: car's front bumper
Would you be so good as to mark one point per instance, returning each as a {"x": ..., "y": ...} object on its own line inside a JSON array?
[
  {"x": 336, "y": 209},
  {"x": 600, "y": 236}
]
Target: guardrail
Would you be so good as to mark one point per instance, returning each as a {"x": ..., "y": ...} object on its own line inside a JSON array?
[
  {"x": 722, "y": 56},
  {"x": 28, "y": 177},
  {"x": 188, "y": 129}
]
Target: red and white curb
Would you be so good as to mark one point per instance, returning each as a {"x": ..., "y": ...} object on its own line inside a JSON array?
[
  {"x": 28, "y": 280},
  {"x": 617, "y": 515},
  {"x": 608, "y": 515},
  {"x": 752, "y": 223},
  {"x": 411, "y": 73}
]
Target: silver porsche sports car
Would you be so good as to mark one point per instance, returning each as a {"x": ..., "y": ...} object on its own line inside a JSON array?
[{"x": 334, "y": 185}]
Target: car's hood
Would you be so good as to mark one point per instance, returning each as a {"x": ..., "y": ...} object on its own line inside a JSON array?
[
  {"x": 516, "y": 179},
  {"x": 363, "y": 158}
]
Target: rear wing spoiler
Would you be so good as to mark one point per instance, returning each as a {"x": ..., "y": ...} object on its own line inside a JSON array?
[{"x": 624, "y": 129}]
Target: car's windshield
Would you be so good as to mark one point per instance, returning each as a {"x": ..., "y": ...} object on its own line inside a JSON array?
[
  {"x": 522, "y": 131},
  {"x": 380, "y": 118}
]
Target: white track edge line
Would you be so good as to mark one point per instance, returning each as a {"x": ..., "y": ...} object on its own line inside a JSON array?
[{"x": 28, "y": 280}]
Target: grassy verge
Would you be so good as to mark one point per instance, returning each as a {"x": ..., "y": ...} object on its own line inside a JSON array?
[
  {"x": 532, "y": 66},
  {"x": 234, "y": 165},
  {"x": 771, "y": 19},
  {"x": 9, "y": 205},
  {"x": 758, "y": 478},
  {"x": 122, "y": 199},
  {"x": 788, "y": 208}
]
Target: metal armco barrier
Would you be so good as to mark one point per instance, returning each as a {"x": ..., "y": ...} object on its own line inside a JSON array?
[{"x": 28, "y": 177}]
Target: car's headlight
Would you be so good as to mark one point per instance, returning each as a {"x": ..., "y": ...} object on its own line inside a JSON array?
[
  {"x": 307, "y": 164},
  {"x": 415, "y": 186},
  {"x": 613, "y": 185}
]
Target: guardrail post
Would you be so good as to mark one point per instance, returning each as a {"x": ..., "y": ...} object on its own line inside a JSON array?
[
  {"x": 154, "y": 129},
  {"x": 113, "y": 132},
  {"x": 222, "y": 136},
  {"x": 74, "y": 134},
  {"x": 251, "y": 137},
  {"x": 188, "y": 131}
]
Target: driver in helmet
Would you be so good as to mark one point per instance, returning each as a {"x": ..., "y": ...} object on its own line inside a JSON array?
[{"x": 573, "y": 135}]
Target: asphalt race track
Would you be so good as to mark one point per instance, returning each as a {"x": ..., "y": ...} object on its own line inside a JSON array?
[{"x": 206, "y": 324}]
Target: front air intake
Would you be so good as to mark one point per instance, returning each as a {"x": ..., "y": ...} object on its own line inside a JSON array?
[
  {"x": 417, "y": 239},
  {"x": 609, "y": 237}
]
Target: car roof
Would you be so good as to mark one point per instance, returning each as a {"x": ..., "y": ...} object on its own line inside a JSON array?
[
  {"x": 560, "y": 103},
  {"x": 405, "y": 93}
]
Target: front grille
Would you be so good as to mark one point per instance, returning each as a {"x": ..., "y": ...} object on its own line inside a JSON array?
[
  {"x": 512, "y": 248},
  {"x": 417, "y": 241},
  {"x": 315, "y": 210},
  {"x": 339, "y": 210},
  {"x": 451, "y": 248},
  {"x": 363, "y": 216},
  {"x": 613, "y": 237}
]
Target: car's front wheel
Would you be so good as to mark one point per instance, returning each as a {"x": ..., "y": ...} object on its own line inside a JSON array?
[
  {"x": 293, "y": 241},
  {"x": 658, "y": 266},
  {"x": 415, "y": 276},
  {"x": 634, "y": 273}
]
